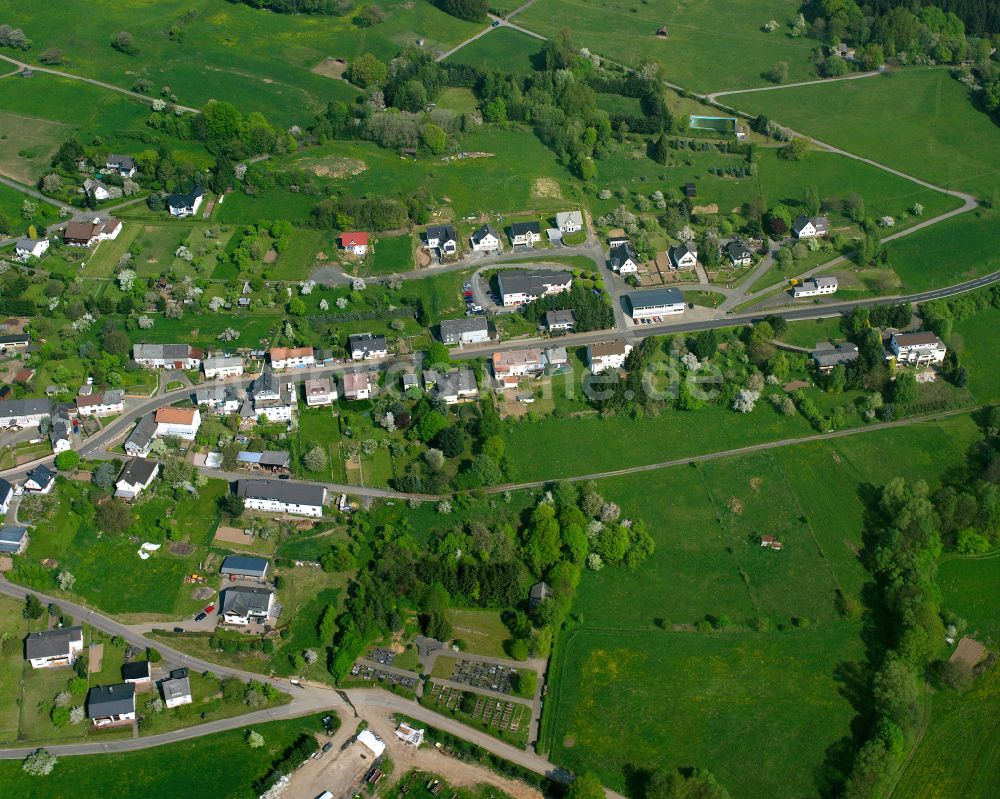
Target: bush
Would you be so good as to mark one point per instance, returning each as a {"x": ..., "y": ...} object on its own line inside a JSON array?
[{"x": 67, "y": 461}]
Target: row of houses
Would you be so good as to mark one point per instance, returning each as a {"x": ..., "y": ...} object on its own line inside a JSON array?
[
  {"x": 486, "y": 239},
  {"x": 623, "y": 259}
]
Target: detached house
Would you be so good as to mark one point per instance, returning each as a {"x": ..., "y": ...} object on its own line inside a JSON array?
[
  {"x": 181, "y": 205},
  {"x": 245, "y": 604},
  {"x": 280, "y": 496},
  {"x": 6, "y": 494},
  {"x": 124, "y": 165},
  {"x": 815, "y": 286},
  {"x": 355, "y": 243},
  {"x": 810, "y": 227},
  {"x": 453, "y": 386},
  {"x": 87, "y": 233},
  {"x": 111, "y": 704},
  {"x": 24, "y": 412},
  {"x": 917, "y": 348},
  {"x": 61, "y": 432},
  {"x": 508, "y": 367},
  {"x": 95, "y": 189},
  {"x": 52, "y": 648},
  {"x": 272, "y": 399},
  {"x": 559, "y": 321},
  {"x": 222, "y": 366},
  {"x": 623, "y": 259},
  {"x": 683, "y": 256},
  {"x": 107, "y": 404},
  {"x": 607, "y": 355},
  {"x": 40, "y": 480},
  {"x": 320, "y": 391},
  {"x": 141, "y": 438},
  {"x": 569, "y": 221},
  {"x": 292, "y": 357},
  {"x": 167, "y": 356},
  {"x": 738, "y": 253},
  {"x": 366, "y": 346},
  {"x": 177, "y": 689},
  {"x": 441, "y": 238},
  {"x": 525, "y": 234},
  {"x": 655, "y": 303},
  {"x": 137, "y": 476},
  {"x": 486, "y": 239},
  {"x": 180, "y": 422},
  {"x": 30, "y": 248},
  {"x": 519, "y": 286},
  {"x": 825, "y": 359},
  {"x": 471, "y": 330},
  {"x": 357, "y": 385}
]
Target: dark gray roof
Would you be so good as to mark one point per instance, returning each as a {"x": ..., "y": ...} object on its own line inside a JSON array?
[
  {"x": 244, "y": 599},
  {"x": 244, "y": 565},
  {"x": 5, "y": 489},
  {"x": 136, "y": 670},
  {"x": 138, "y": 470},
  {"x": 565, "y": 316},
  {"x": 842, "y": 353},
  {"x": 50, "y": 643},
  {"x": 655, "y": 298},
  {"x": 621, "y": 253},
  {"x": 539, "y": 592},
  {"x": 281, "y": 491},
  {"x": 454, "y": 327},
  {"x": 267, "y": 383},
  {"x": 11, "y": 537},
  {"x": 176, "y": 687},
  {"x": 520, "y": 228},
  {"x": 451, "y": 383},
  {"x": 121, "y": 161},
  {"x": 737, "y": 249},
  {"x": 518, "y": 281},
  {"x": 441, "y": 232},
  {"x": 110, "y": 700},
  {"x": 681, "y": 250},
  {"x": 25, "y": 407},
  {"x": 367, "y": 342},
  {"x": 41, "y": 475},
  {"x": 167, "y": 352},
  {"x": 15, "y": 338},
  {"x": 143, "y": 433},
  {"x": 484, "y": 231},
  {"x": 184, "y": 200}
]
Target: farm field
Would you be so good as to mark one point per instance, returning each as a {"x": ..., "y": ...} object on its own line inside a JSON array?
[
  {"x": 27, "y": 144},
  {"x": 503, "y": 49},
  {"x": 936, "y": 133},
  {"x": 710, "y": 46},
  {"x": 970, "y": 588},
  {"x": 780, "y": 610},
  {"x": 257, "y": 60}
]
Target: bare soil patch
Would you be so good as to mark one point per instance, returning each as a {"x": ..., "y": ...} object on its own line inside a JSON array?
[
  {"x": 6, "y": 564},
  {"x": 331, "y": 67},
  {"x": 95, "y": 661},
  {"x": 755, "y": 483},
  {"x": 969, "y": 651},
  {"x": 795, "y": 385},
  {"x": 270, "y": 256},
  {"x": 546, "y": 187},
  {"x": 232, "y": 535},
  {"x": 203, "y": 592},
  {"x": 334, "y": 167},
  {"x": 735, "y": 506},
  {"x": 182, "y": 549},
  {"x": 711, "y": 208}
]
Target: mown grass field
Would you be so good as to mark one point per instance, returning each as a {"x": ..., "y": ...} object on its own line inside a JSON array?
[
  {"x": 482, "y": 631},
  {"x": 258, "y": 60},
  {"x": 711, "y": 46},
  {"x": 503, "y": 49},
  {"x": 977, "y": 342},
  {"x": 635, "y": 661},
  {"x": 27, "y": 144},
  {"x": 970, "y": 588},
  {"x": 918, "y": 120}
]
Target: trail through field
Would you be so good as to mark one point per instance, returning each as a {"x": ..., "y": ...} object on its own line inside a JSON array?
[{"x": 856, "y": 76}]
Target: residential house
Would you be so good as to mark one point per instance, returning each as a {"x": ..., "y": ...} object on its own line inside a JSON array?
[
  {"x": 106, "y": 404},
  {"x": 555, "y": 358},
  {"x": 486, "y": 239},
  {"x": 176, "y": 689},
  {"x": 141, "y": 438},
  {"x": 622, "y": 259},
  {"x": 180, "y": 422},
  {"x": 292, "y": 357},
  {"x": 111, "y": 704},
  {"x": 245, "y": 604},
  {"x": 560, "y": 321},
  {"x": 441, "y": 238},
  {"x": 24, "y": 412},
  {"x": 367, "y": 346},
  {"x": 519, "y": 286},
  {"x": 828, "y": 357},
  {"x": 272, "y": 399},
  {"x": 137, "y": 476},
  {"x": 272, "y": 460},
  {"x": 409, "y": 381},
  {"x": 471, "y": 330},
  {"x": 655, "y": 302},
  {"x": 182, "y": 205},
  {"x": 30, "y": 248},
  {"x": 569, "y": 221},
  {"x": 770, "y": 542},
  {"x": 124, "y": 165},
  {"x": 88, "y": 232},
  {"x": 222, "y": 366},
  {"x": 357, "y": 385},
  {"x": 917, "y": 348},
  {"x": 167, "y": 356},
  {"x": 509, "y": 366},
  {"x": 234, "y": 566},
  {"x": 40, "y": 480},
  {"x": 96, "y": 190},
  {"x": 738, "y": 253},
  {"x": 606, "y": 355},
  {"x": 13, "y": 539},
  {"x": 61, "y": 431},
  {"x": 137, "y": 672},
  {"x": 683, "y": 256},
  {"x": 525, "y": 234},
  {"x": 810, "y": 227},
  {"x": 221, "y": 399},
  {"x": 355, "y": 243},
  {"x": 320, "y": 391},
  {"x": 452, "y": 386},
  {"x": 815, "y": 286},
  {"x": 53, "y": 648},
  {"x": 281, "y": 496},
  {"x": 14, "y": 343},
  {"x": 6, "y": 495}
]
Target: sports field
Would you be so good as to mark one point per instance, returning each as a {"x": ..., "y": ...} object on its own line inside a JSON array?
[
  {"x": 710, "y": 47},
  {"x": 918, "y": 120},
  {"x": 258, "y": 60},
  {"x": 693, "y": 697},
  {"x": 503, "y": 49}
]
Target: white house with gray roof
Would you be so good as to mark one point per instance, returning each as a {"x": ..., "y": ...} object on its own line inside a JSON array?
[
  {"x": 137, "y": 476},
  {"x": 245, "y": 604},
  {"x": 453, "y": 386},
  {"x": 24, "y": 412},
  {"x": 13, "y": 539},
  {"x": 111, "y": 704},
  {"x": 519, "y": 286},
  {"x": 222, "y": 366},
  {"x": 471, "y": 330},
  {"x": 486, "y": 239},
  {"x": 810, "y": 227},
  {"x": 282, "y": 496},
  {"x": 167, "y": 356},
  {"x": 176, "y": 689},
  {"x": 569, "y": 221},
  {"x": 30, "y": 248},
  {"x": 49, "y": 649}
]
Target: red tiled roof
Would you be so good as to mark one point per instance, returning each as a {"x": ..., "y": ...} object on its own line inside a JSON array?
[{"x": 352, "y": 239}]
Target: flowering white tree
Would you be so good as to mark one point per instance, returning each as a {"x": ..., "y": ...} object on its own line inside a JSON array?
[
  {"x": 310, "y": 656},
  {"x": 685, "y": 234},
  {"x": 771, "y": 26},
  {"x": 358, "y": 284},
  {"x": 145, "y": 322},
  {"x": 745, "y": 400},
  {"x": 341, "y": 302},
  {"x": 887, "y": 221},
  {"x": 229, "y": 334},
  {"x": 307, "y": 286},
  {"x": 39, "y": 763},
  {"x": 691, "y": 362},
  {"x": 184, "y": 254},
  {"x": 159, "y": 105},
  {"x": 388, "y": 421},
  {"x": 66, "y": 581},
  {"x": 595, "y": 562},
  {"x": 324, "y": 305},
  {"x": 126, "y": 279},
  {"x": 254, "y": 739},
  {"x": 240, "y": 171},
  {"x": 917, "y": 209},
  {"x": 77, "y": 715},
  {"x": 444, "y": 506}
]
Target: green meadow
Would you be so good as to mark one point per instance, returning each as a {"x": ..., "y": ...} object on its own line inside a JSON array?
[
  {"x": 918, "y": 120},
  {"x": 503, "y": 49}
]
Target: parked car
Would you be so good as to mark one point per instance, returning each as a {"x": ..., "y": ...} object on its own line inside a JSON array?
[
  {"x": 200, "y": 616},
  {"x": 282, "y": 476},
  {"x": 327, "y": 746},
  {"x": 496, "y": 24},
  {"x": 178, "y": 629},
  {"x": 209, "y": 608}
]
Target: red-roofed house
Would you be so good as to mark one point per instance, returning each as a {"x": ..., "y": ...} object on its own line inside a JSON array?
[
  {"x": 356, "y": 243},
  {"x": 770, "y": 542}
]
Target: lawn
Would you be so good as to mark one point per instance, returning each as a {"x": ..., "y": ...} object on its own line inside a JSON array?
[
  {"x": 11, "y": 203},
  {"x": 27, "y": 144},
  {"x": 711, "y": 46},
  {"x": 258, "y": 60},
  {"x": 959, "y": 754},
  {"x": 222, "y": 760},
  {"x": 391, "y": 254},
  {"x": 459, "y": 100},
  {"x": 481, "y": 631},
  {"x": 504, "y": 50},
  {"x": 202, "y": 329},
  {"x": 318, "y": 427},
  {"x": 13, "y": 627},
  {"x": 933, "y": 132},
  {"x": 976, "y": 341},
  {"x": 970, "y": 588},
  {"x": 811, "y": 332}
]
